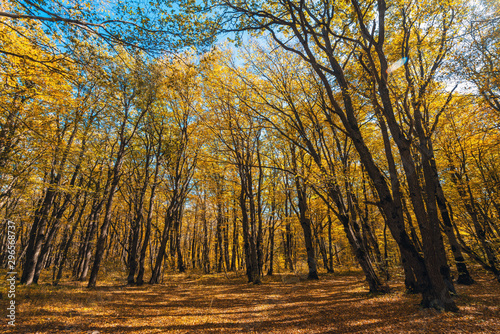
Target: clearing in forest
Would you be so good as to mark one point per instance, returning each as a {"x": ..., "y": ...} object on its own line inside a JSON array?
[{"x": 218, "y": 304}]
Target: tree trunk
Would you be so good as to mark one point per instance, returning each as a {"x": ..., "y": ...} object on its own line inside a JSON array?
[
  {"x": 470, "y": 206},
  {"x": 177, "y": 230},
  {"x": 101, "y": 241},
  {"x": 305, "y": 223},
  {"x": 251, "y": 260},
  {"x": 219, "y": 253},
  {"x": 271, "y": 247},
  {"x": 169, "y": 217},
  {"x": 330, "y": 243},
  {"x": 147, "y": 235},
  {"x": 69, "y": 241},
  {"x": 234, "y": 248},
  {"x": 37, "y": 235},
  {"x": 206, "y": 245}
]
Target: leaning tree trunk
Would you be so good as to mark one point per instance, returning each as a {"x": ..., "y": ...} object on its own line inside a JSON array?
[
  {"x": 169, "y": 217},
  {"x": 137, "y": 221},
  {"x": 69, "y": 241},
  {"x": 147, "y": 234},
  {"x": 36, "y": 237},
  {"x": 101, "y": 241}
]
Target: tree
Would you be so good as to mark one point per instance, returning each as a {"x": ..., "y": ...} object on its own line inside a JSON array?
[
  {"x": 136, "y": 93},
  {"x": 241, "y": 137},
  {"x": 296, "y": 110},
  {"x": 153, "y": 27},
  {"x": 340, "y": 40},
  {"x": 180, "y": 105},
  {"x": 479, "y": 63}
]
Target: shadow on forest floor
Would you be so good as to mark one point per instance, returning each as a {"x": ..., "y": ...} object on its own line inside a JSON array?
[{"x": 211, "y": 304}]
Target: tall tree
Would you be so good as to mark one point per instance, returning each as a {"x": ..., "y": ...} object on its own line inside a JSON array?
[
  {"x": 337, "y": 41},
  {"x": 136, "y": 95}
]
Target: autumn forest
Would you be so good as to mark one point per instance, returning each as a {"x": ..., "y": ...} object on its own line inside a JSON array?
[{"x": 322, "y": 161}]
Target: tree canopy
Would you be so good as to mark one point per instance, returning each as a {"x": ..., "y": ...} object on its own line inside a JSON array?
[{"x": 334, "y": 133}]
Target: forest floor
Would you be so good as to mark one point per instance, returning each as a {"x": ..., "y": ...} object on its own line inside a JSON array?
[{"x": 337, "y": 303}]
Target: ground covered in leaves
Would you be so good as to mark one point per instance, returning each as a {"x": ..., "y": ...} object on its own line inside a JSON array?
[{"x": 186, "y": 303}]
